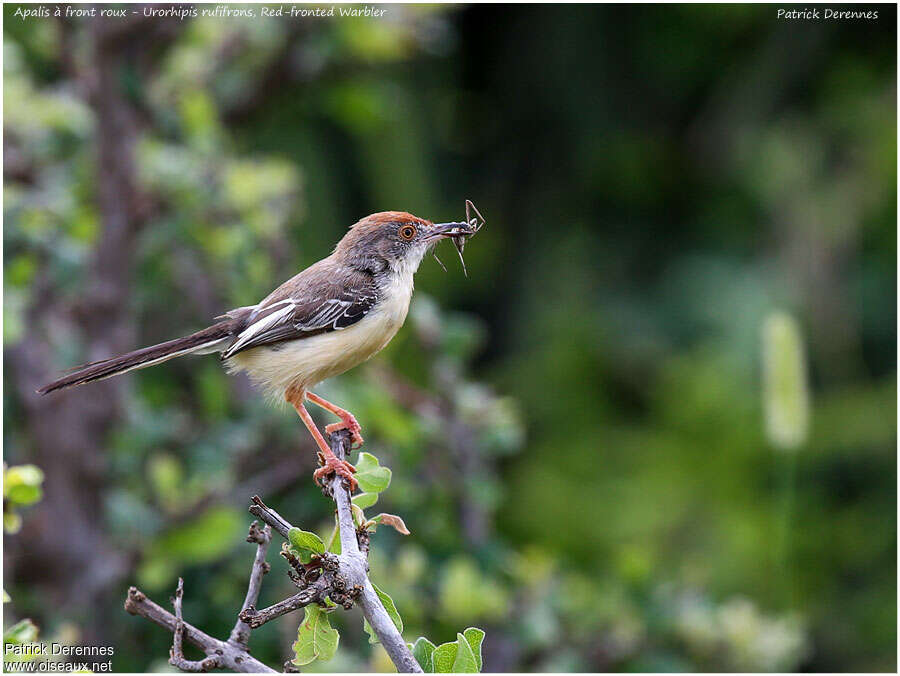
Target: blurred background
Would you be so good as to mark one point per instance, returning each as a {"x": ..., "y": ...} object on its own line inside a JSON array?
[{"x": 654, "y": 429}]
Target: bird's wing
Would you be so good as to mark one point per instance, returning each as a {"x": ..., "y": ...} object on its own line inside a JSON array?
[{"x": 305, "y": 306}]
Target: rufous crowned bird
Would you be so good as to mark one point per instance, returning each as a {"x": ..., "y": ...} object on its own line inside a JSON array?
[{"x": 332, "y": 316}]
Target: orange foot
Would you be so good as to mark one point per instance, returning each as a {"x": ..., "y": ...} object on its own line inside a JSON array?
[
  {"x": 331, "y": 465},
  {"x": 348, "y": 423}
]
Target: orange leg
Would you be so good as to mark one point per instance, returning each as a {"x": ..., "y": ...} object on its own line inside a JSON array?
[
  {"x": 329, "y": 461},
  {"x": 348, "y": 421}
]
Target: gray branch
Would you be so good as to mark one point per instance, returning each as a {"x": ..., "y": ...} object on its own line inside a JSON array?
[
  {"x": 257, "y": 618},
  {"x": 261, "y": 536},
  {"x": 270, "y": 516},
  {"x": 355, "y": 569},
  {"x": 228, "y": 655},
  {"x": 176, "y": 654},
  {"x": 344, "y": 579}
]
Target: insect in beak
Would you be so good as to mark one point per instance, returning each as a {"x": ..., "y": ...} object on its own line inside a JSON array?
[{"x": 460, "y": 232}]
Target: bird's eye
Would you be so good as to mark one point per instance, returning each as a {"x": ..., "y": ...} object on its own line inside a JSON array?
[{"x": 407, "y": 232}]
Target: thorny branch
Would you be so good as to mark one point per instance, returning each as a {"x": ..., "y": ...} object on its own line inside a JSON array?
[{"x": 343, "y": 579}]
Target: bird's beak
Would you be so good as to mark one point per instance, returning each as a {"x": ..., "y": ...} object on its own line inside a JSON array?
[{"x": 441, "y": 230}]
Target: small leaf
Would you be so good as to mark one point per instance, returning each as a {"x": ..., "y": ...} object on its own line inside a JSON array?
[
  {"x": 394, "y": 521},
  {"x": 391, "y": 609},
  {"x": 372, "y": 478},
  {"x": 21, "y": 632},
  {"x": 474, "y": 637},
  {"x": 304, "y": 555},
  {"x": 465, "y": 662},
  {"x": 316, "y": 638},
  {"x": 22, "y": 475},
  {"x": 302, "y": 539},
  {"x": 22, "y": 484},
  {"x": 358, "y": 515},
  {"x": 24, "y": 495},
  {"x": 365, "y": 500},
  {"x": 444, "y": 656},
  {"x": 422, "y": 650}
]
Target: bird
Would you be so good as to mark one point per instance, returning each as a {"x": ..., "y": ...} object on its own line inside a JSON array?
[{"x": 324, "y": 321}]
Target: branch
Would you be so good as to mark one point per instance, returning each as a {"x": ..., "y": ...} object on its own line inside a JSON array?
[
  {"x": 241, "y": 632},
  {"x": 342, "y": 579},
  {"x": 352, "y": 575},
  {"x": 229, "y": 656},
  {"x": 176, "y": 654},
  {"x": 355, "y": 568},
  {"x": 257, "y": 618},
  {"x": 270, "y": 516}
]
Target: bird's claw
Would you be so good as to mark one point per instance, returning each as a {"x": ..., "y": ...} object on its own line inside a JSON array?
[
  {"x": 331, "y": 465},
  {"x": 349, "y": 423}
]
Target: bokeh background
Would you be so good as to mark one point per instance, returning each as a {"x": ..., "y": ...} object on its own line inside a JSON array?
[{"x": 654, "y": 429}]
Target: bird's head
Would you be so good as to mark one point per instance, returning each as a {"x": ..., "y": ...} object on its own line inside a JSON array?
[{"x": 392, "y": 241}]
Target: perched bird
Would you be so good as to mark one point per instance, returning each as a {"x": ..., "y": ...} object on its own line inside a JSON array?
[{"x": 332, "y": 316}]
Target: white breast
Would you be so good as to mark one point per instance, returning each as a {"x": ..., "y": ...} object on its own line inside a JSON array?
[{"x": 308, "y": 361}]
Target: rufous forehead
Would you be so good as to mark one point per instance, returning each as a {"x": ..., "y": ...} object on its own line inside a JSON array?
[{"x": 385, "y": 217}]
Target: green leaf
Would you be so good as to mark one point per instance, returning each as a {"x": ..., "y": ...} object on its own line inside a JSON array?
[
  {"x": 316, "y": 638},
  {"x": 22, "y": 475},
  {"x": 334, "y": 543},
  {"x": 444, "y": 656},
  {"x": 474, "y": 637},
  {"x": 465, "y": 662},
  {"x": 365, "y": 500},
  {"x": 422, "y": 650},
  {"x": 463, "y": 656},
  {"x": 304, "y": 555},
  {"x": 21, "y": 632},
  {"x": 22, "y": 484},
  {"x": 391, "y": 609},
  {"x": 302, "y": 539},
  {"x": 24, "y": 495},
  {"x": 371, "y": 476}
]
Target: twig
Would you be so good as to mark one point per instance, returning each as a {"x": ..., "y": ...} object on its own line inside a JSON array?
[
  {"x": 240, "y": 635},
  {"x": 270, "y": 516},
  {"x": 257, "y": 618},
  {"x": 176, "y": 654},
  {"x": 229, "y": 656}
]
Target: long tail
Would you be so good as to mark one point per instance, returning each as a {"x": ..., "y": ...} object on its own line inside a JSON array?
[{"x": 207, "y": 340}]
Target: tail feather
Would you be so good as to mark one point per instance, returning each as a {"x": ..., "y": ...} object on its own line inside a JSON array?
[{"x": 207, "y": 340}]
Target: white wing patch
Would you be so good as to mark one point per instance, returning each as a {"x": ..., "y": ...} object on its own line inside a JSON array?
[
  {"x": 263, "y": 324},
  {"x": 333, "y": 314}
]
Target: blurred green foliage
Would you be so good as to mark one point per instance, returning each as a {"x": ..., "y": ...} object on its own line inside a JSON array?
[
  {"x": 578, "y": 431},
  {"x": 21, "y": 487}
]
